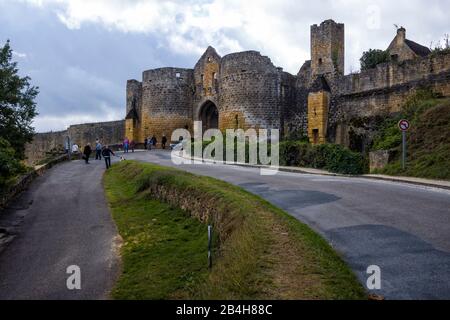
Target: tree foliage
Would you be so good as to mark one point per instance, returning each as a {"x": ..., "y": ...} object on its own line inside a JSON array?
[
  {"x": 17, "y": 104},
  {"x": 370, "y": 59},
  {"x": 10, "y": 166}
]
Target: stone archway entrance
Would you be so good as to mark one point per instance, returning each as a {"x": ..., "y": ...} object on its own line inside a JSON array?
[{"x": 209, "y": 115}]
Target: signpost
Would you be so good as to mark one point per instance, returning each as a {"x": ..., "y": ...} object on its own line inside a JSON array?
[
  {"x": 209, "y": 246},
  {"x": 404, "y": 126}
]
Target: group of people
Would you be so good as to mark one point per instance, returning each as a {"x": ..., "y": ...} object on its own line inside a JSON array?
[
  {"x": 151, "y": 142},
  {"x": 106, "y": 152},
  {"x": 127, "y": 145},
  {"x": 100, "y": 151}
]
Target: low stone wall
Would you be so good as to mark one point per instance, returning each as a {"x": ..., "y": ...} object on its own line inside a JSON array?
[
  {"x": 26, "y": 179},
  {"x": 109, "y": 133},
  {"x": 379, "y": 159}
]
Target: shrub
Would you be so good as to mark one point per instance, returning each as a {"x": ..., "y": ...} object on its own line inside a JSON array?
[
  {"x": 10, "y": 167},
  {"x": 370, "y": 59},
  {"x": 331, "y": 157}
]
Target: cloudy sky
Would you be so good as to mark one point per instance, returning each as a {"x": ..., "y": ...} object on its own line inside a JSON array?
[{"x": 81, "y": 52}]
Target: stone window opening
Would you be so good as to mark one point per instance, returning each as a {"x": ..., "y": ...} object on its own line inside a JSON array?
[
  {"x": 320, "y": 61},
  {"x": 236, "y": 120},
  {"x": 209, "y": 59}
]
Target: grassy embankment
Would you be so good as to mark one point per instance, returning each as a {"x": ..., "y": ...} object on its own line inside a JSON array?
[
  {"x": 260, "y": 252},
  {"x": 428, "y": 141}
]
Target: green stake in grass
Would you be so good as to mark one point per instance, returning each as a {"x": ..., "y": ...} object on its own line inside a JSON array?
[{"x": 209, "y": 246}]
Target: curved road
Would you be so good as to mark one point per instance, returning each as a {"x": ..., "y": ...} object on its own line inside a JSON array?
[{"x": 402, "y": 228}]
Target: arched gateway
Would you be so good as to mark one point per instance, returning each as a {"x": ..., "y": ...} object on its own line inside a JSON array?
[{"x": 209, "y": 115}]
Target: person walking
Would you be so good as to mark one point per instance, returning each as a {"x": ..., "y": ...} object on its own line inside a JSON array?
[
  {"x": 87, "y": 152},
  {"x": 163, "y": 141},
  {"x": 154, "y": 141},
  {"x": 132, "y": 145},
  {"x": 145, "y": 143},
  {"x": 75, "y": 148},
  {"x": 98, "y": 150},
  {"x": 126, "y": 144},
  {"x": 106, "y": 153},
  {"x": 150, "y": 143}
]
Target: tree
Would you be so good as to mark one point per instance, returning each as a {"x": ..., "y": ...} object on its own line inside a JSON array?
[
  {"x": 370, "y": 59},
  {"x": 17, "y": 105},
  {"x": 10, "y": 166}
]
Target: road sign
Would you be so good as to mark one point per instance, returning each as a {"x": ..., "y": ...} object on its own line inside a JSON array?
[{"x": 403, "y": 125}]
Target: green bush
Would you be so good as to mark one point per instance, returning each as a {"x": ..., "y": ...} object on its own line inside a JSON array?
[
  {"x": 428, "y": 141},
  {"x": 205, "y": 143},
  {"x": 389, "y": 136},
  {"x": 331, "y": 157},
  {"x": 10, "y": 167}
]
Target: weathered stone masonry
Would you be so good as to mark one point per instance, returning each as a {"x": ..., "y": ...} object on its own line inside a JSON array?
[
  {"x": 245, "y": 90},
  {"x": 110, "y": 132}
]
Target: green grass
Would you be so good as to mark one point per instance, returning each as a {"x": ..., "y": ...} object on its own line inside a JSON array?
[
  {"x": 261, "y": 252},
  {"x": 428, "y": 141},
  {"x": 164, "y": 250}
]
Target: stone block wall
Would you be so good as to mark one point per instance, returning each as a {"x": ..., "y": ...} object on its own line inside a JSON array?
[
  {"x": 111, "y": 132},
  {"x": 318, "y": 116},
  {"x": 250, "y": 88},
  {"x": 167, "y": 98},
  {"x": 42, "y": 143},
  {"x": 327, "y": 48},
  {"x": 382, "y": 91},
  {"x": 134, "y": 95}
]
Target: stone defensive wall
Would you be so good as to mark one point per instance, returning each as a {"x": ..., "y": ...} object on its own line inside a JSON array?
[
  {"x": 384, "y": 88},
  {"x": 167, "y": 97},
  {"x": 111, "y": 132},
  {"x": 249, "y": 90}
]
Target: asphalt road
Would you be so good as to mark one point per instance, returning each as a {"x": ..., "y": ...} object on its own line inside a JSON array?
[
  {"x": 404, "y": 229},
  {"x": 61, "y": 220}
]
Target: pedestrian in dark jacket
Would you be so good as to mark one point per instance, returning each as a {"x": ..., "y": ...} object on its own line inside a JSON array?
[
  {"x": 163, "y": 141},
  {"x": 154, "y": 141},
  {"x": 145, "y": 143},
  {"x": 106, "y": 153},
  {"x": 132, "y": 145},
  {"x": 87, "y": 152}
]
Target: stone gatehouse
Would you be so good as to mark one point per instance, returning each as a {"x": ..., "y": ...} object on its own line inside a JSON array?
[{"x": 245, "y": 90}]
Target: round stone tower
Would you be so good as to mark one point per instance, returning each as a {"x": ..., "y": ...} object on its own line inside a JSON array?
[
  {"x": 167, "y": 95},
  {"x": 249, "y": 89}
]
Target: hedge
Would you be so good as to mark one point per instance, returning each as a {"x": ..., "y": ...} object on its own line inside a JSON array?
[{"x": 331, "y": 157}]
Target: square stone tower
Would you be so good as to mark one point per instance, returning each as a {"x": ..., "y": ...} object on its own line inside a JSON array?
[
  {"x": 318, "y": 105},
  {"x": 327, "y": 48}
]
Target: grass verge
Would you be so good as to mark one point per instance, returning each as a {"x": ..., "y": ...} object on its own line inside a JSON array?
[{"x": 261, "y": 252}]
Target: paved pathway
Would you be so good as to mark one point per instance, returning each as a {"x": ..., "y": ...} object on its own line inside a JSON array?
[{"x": 61, "y": 220}]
